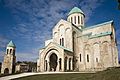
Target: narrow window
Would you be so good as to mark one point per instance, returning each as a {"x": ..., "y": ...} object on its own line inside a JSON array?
[
  {"x": 75, "y": 19},
  {"x": 62, "y": 41},
  {"x": 80, "y": 57},
  {"x": 81, "y": 20},
  {"x": 14, "y": 52},
  {"x": 96, "y": 59},
  {"x": 10, "y": 50},
  {"x": 87, "y": 58},
  {"x": 71, "y": 20},
  {"x": 7, "y": 51},
  {"x": 78, "y": 19}
]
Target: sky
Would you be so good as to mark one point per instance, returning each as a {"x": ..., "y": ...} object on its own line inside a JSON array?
[{"x": 28, "y": 23}]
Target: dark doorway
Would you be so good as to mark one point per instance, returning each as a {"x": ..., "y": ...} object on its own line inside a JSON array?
[
  {"x": 53, "y": 62},
  {"x": 6, "y": 71}
]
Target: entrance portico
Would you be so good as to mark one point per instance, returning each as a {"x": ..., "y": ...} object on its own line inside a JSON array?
[{"x": 53, "y": 59}]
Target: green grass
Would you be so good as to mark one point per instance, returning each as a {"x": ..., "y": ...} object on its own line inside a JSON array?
[{"x": 110, "y": 74}]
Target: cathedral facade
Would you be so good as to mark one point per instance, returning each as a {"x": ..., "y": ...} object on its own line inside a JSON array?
[{"x": 75, "y": 47}]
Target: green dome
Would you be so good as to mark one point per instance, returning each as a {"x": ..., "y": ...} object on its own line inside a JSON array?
[
  {"x": 11, "y": 44},
  {"x": 76, "y": 10}
]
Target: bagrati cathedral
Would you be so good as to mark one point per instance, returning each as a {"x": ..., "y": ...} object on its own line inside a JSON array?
[{"x": 75, "y": 47}]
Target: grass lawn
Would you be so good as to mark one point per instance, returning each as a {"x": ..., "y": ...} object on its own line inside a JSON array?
[{"x": 110, "y": 74}]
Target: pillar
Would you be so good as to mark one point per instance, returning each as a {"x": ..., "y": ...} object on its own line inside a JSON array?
[
  {"x": 67, "y": 63},
  {"x": 57, "y": 68},
  {"x": 71, "y": 64},
  {"x": 48, "y": 66}
]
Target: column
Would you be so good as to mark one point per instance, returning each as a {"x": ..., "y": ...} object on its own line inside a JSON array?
[
  {"x": 57, "y": 68},
  {"x": 71, "y": 64},
  {"x": 48, "y": 66},
  {"x": 67, "y": 63}
]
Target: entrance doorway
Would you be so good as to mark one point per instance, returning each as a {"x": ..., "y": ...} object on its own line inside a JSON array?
[
  {"x": 53, "y": 62},
  {"x": 6, "y": 71}
]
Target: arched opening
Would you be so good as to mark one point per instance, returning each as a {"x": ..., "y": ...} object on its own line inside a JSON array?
[
  {"x": 69, "y": 63},
  {"x": 60, "y": 64},
  {"x": 87, "y": 58},
  {"x": 53, "y": 62},
  {"x": 105, "y": 54},
  {"x": 6, "y": 71},
  {"x": 10, "y": 50},
  {"x": 78, "y": 19},
  {"x": 80, "y": 57},
  {"x": 75, "y": 19},
  {"x": 65, "y": 64},
  {"x": 7, "y": 51},
  {"x": 62, "y": 41},
  {"x": 45, "y": 65}
]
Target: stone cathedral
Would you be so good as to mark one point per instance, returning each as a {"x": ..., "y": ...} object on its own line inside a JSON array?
[{"x": 75, "y": 47}]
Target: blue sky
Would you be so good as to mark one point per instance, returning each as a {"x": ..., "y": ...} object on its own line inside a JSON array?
[{"x": 29, "y": 22}]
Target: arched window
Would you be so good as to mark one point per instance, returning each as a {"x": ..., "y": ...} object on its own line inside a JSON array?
[
  {"x": 10, "y": 50},
  {"x": 96, "y": 59},
  {"x": 87, "y": 58},
  {"x": 62, "y": 41},
  {"x": 75, "y": 19},
  {"x": 71, "y": 20},
  {"x": 81, "y": 20},
  {"x": 14, "y": 52},
  {"x": 78, "y": 19},
  {"x": 69, "y": 63},
  {"x": 7, "y": 51},
  {"x": 80, "y": 57}
]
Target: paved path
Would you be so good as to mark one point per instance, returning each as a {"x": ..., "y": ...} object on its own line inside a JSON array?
[{"x": 29, "y": 74}]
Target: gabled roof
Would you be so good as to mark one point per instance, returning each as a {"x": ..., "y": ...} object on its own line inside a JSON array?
[
  {"x": 11, "y": 44},
  {"x": 75, "y": 10},
  {"x": 66, "y": 49},
  {"x": 99, "y": 25}
]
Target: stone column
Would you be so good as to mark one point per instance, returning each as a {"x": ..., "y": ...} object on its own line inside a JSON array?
[
  {"x": 48, "y": 66},
  {"x": 57, "y": 68},
  {"x": 71, "y": 64},
  {"x": 67, "y": 63}
]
